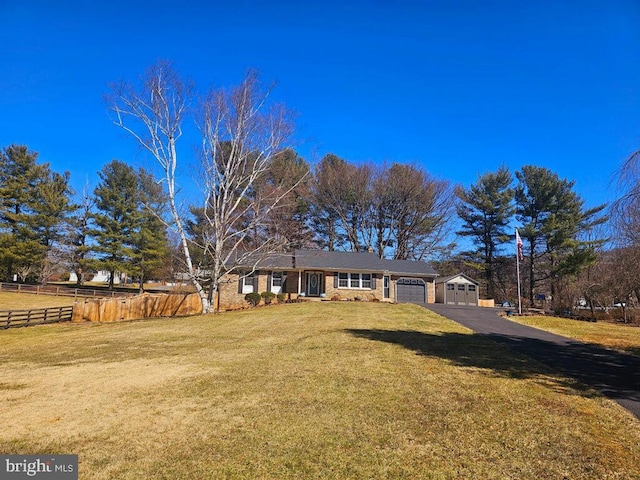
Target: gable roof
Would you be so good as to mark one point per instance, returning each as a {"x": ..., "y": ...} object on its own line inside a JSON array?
[{"x": 451, "y": 277}]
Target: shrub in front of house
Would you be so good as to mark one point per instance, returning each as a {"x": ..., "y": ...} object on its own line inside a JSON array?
[
  {"x": 282, "y": 297},
  {"x": 268, "y": 297},
  {"x": 253, "y": 298}
]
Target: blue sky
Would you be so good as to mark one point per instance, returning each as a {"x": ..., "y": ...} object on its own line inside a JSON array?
[{"x": 458, "y": 87}]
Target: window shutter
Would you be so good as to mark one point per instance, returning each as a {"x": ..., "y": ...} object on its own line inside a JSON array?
[
  {"x": 284, "y": 282},
  {"x": 256, "y": 274},
  {"x": 335, "y": 279},
  {"x": 240, "y": 282},
  {"x": 269, "y": 281},
  {"x": 373, "y": 281}
]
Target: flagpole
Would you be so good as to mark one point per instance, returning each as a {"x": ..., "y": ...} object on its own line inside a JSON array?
[{"x": 518, "y": 250}]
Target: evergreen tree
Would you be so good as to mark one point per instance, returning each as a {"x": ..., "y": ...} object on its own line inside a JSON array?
[
  {"x": 288, "y": 223},
  {"x": 554, "y": 224},
  {"x": 151, "y": 247},
  {"x": 34, "y": 206},
  {"x": 114, "y": 222},
  {"x": 486, "y": 210},
  {"x": 78, "y": 237}
]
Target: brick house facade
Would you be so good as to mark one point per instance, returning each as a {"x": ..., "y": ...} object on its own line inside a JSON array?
[{"x": 318, "y": 275}]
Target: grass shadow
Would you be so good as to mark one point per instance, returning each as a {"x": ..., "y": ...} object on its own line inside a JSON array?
[{"x": 583, "y": 367}]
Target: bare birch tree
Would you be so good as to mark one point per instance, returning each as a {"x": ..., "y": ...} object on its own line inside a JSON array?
[
  {"x": 154, "y": 114},
  {"x": 241, "y": 133}
]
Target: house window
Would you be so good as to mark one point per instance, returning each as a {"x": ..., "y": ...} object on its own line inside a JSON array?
[
  {"x": 355, "y": 280},
  {"x": 247, "y": 283},
  {"x": 276, "y": 282}
]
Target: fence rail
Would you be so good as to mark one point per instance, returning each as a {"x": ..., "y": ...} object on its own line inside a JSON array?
[
  {"x": 39, "y": 316},
  {"x": 62, "y": 291}
]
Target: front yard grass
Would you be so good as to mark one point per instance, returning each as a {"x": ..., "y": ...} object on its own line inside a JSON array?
[
  {"x": 26, "y": 301},
  {"x": 316, "y": 390},
  {"x": 624, "y": 338}
]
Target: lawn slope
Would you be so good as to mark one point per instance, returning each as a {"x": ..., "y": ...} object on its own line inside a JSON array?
[{"x": 325, "y": 390}]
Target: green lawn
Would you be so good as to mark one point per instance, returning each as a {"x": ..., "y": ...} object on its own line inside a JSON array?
[
  {"x": 324, "y": 391},
  {"x": 611, "y": 335}
]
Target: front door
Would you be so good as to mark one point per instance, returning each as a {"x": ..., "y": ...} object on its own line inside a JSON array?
[{"x": 314, "y": 284}]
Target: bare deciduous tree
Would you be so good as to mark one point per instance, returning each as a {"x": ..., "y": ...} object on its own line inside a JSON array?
[
  {"x": 154, "y": 114},
  {"x": 626, "y": 210},
  {"x": 241, "y": 134},
  {"x": 625, "y": 215}
]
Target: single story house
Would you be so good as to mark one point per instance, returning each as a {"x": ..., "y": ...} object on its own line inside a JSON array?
[
  {"x": 317, "y": 274},
  {"x": 457, "y": 290}
]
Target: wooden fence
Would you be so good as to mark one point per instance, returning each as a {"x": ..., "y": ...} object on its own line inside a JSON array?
[
  {"x": 40, "y": 316},
  {"x": 147, "y": 305},
  {"x": 62, "y": 291}
]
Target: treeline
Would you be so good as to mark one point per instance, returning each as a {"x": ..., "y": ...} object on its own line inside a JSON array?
[
  {"x": 257, "y": 197},
  {"x": 47, "y": 230},
  {"x": 397, "y": 211},
  {"x": 560, "y": 238}
]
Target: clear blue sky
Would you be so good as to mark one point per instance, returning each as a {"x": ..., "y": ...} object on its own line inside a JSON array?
[{"x": 459, "y": 87}]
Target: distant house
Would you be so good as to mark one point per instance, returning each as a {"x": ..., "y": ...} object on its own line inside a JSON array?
[
  {"x": 457, "y": 290},
  {"x": 316, "y": 274},
  {"x": 101, "y": 276}
]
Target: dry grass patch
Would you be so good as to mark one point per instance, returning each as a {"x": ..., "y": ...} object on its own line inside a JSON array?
[
  {"x": 619, "y": 337},
  {"x": 25, "y": 301},
  {"x": 327, "y": 390}
]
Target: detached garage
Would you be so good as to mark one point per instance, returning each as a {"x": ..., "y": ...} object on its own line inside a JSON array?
[{"x": 457, "y": 290}]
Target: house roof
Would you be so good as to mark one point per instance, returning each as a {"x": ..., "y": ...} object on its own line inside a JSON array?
[
  {"x": 324, "y": 260},
  {"x": 359, "y": 261},
  {"x": 342, "y": 261}
]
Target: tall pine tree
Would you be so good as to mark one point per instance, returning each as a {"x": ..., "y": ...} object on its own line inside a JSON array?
[
  {"x": 151, "y": 247},
  {"x": 115, "y": 220},
  {"x": 34, "y": 206},
  {"x": 486, "y": 209},
  {"x": 554, "y": 224}
]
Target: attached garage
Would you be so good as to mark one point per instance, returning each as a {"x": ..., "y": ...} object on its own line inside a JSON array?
[
  {"x": 411, "y": 290},
  {"x": 457, "y": 290}
]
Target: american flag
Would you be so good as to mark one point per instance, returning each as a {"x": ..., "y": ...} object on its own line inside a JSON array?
[{"x": 519, "y": 246}]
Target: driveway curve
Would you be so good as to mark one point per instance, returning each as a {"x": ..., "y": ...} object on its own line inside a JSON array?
[{"x": 615, "y": 374}]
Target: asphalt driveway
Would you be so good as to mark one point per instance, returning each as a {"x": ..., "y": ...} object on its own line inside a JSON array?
[{"x": 615, "y": 374}]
